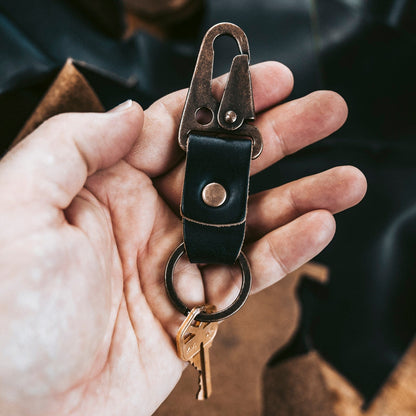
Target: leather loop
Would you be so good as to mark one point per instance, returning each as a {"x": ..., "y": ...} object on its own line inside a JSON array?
[{"x": 215, "y": 234}]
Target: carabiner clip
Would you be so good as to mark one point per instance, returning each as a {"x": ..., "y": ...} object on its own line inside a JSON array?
[
  {"x": 230, "y": 115},
  {"x": 217, "y": 171}
]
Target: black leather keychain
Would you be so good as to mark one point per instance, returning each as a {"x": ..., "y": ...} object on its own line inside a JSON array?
[{"x": 218, "y": 155}]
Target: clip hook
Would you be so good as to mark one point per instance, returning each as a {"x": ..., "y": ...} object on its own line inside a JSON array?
[{"x": 236, "y": 105}]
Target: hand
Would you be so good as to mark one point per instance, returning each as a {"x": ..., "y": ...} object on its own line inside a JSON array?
[{"x": 88, "y": 215}]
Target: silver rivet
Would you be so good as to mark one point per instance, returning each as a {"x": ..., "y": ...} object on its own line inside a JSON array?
[
  {"x": 214, "y": 194},
  {"x": 230, "y": 117}
]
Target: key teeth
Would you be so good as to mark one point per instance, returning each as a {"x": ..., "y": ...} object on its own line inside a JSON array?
[{"x": 199, "y": 393}]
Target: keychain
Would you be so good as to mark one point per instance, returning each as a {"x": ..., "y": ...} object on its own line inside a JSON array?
[{"x": 215, "y": 190}]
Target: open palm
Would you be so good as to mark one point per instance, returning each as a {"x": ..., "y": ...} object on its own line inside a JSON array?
[{"x": 89, "y": 218}]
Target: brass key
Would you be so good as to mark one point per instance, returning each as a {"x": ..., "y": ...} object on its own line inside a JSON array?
[{"x": 193, "y": 342}]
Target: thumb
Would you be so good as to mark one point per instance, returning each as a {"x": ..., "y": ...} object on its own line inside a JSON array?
[{"x": 52, "y": 164}]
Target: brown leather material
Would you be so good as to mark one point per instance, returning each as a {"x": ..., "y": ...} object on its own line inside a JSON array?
[
  {"x": 396, "y": 397},
  {"x": 309, "y": 386},
  {"x": 68, "y": 93},
  {"x": 297, "y": 387}
]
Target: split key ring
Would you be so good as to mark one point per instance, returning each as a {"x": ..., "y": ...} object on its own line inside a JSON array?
[{"x": 204, "y": 316}]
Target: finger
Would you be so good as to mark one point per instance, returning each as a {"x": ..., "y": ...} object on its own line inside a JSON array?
[
  {"x": 287, "y": 248},
  {"x": 296, "y": 124},
  {"x": 52, "y": 164},
  {"x": 333, "y": 190},
  {"x": 278, "y": 253},
  {"x": 285, "y": 129},
  {"x": 157, "y": 148}
]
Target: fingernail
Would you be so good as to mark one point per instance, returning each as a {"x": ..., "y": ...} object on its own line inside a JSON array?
[{"x": 122, "y": 107}]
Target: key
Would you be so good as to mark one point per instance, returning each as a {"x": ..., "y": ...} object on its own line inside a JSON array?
[{"x": 193, "y": 342}]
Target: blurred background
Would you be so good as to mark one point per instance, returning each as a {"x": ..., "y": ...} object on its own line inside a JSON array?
[{"x": 364, "y": 319}]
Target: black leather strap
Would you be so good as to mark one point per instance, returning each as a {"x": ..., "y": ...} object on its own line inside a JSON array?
[{"x": 215, "y": 234}]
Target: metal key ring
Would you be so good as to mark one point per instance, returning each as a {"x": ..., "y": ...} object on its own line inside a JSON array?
[{"x": 204, "y": 316}]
